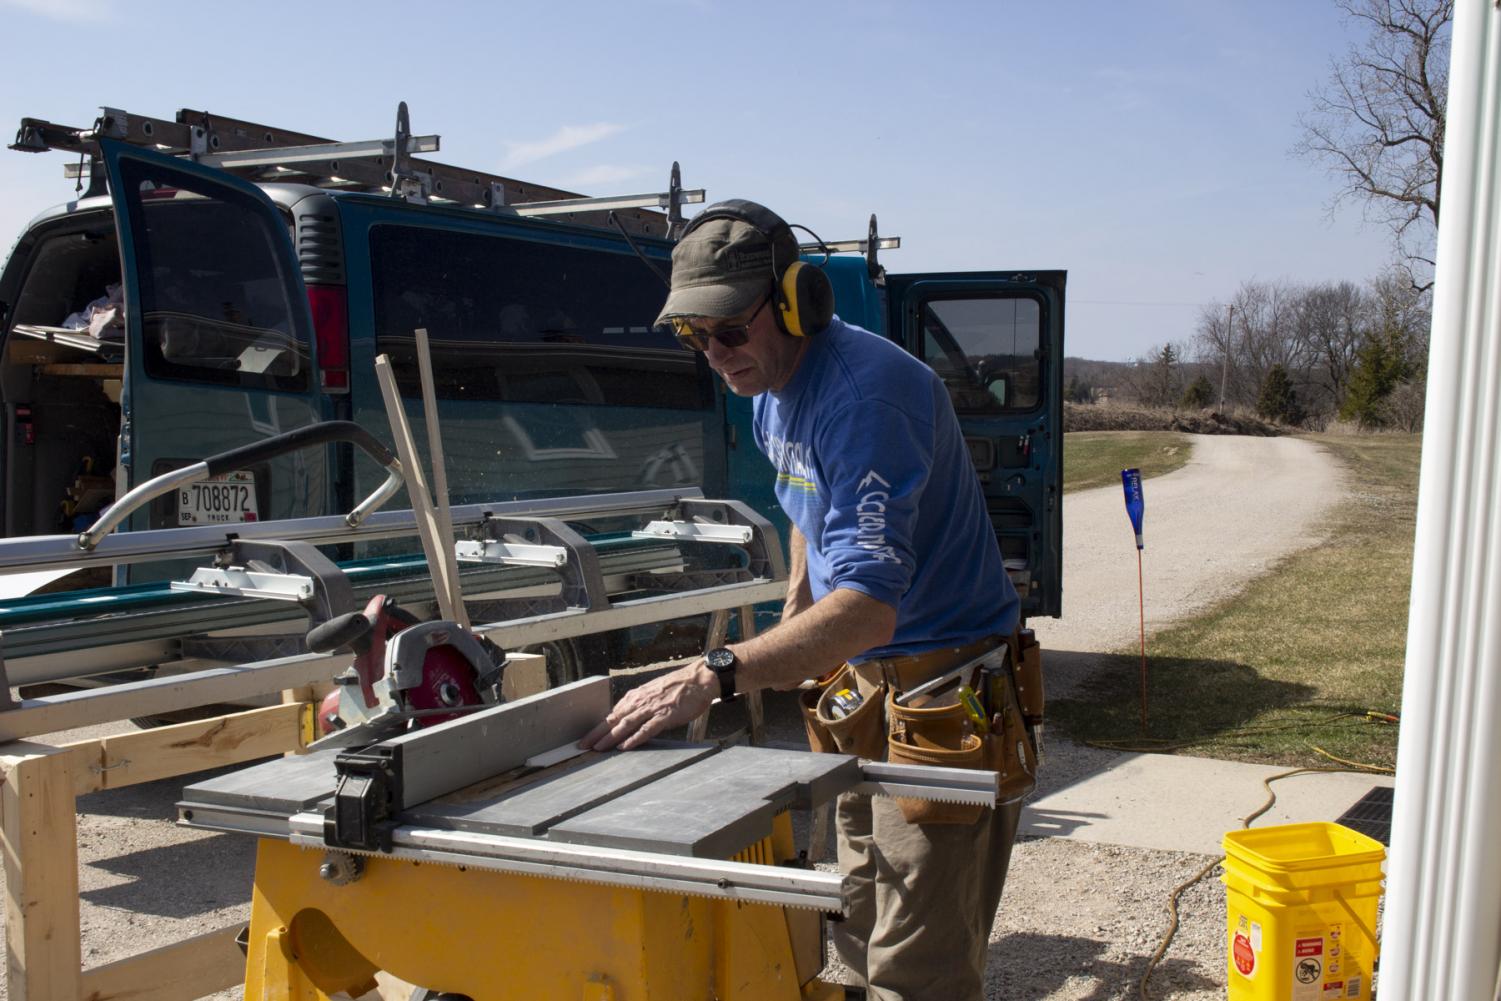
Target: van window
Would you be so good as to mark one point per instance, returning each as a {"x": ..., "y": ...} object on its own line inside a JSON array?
[
  {"x": 524, "y": 321},
  {"x": 216, "y": 305},
  {"x": 67, "y": 272},
  {"x": 986, "y": 350}
]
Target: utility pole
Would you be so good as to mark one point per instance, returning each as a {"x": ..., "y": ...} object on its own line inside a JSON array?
[{"x": 1225, "y": 367}]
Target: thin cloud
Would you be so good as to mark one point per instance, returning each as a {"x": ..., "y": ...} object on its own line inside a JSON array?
[
  {"x": 71, "y": 11},
  {"x": 604, "y": 177},
  {"x": 567, "y": 138}
]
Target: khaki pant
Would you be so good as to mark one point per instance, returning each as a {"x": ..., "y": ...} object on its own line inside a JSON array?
[{"x": 924, "y": 899}]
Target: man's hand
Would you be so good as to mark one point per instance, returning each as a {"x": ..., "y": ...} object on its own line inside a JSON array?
[{"x": 661, "y": 704}]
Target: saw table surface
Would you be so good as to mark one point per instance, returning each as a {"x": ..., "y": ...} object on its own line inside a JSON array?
[{"x": 680, "y": 799}]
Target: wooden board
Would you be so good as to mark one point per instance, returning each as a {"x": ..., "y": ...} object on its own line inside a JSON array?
[
  {"x": 155, "y": 696},
  {"x": 127, "y": 759},
  {"x": 181, "y": 971},
  {"x": 40, "y": 844},
  {"x": 97, "y": 370}
]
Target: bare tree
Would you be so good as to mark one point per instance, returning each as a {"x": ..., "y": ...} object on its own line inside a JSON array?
[
  {"x": 1258, "y": 329},
  {"x": 1404, "y": 406},
  {"x": 1331, "y": 321},
  {"x": 1268, "y": 315},
  {"x": 1379, "y": 120},
  {"x": 1402, "y": 312}
]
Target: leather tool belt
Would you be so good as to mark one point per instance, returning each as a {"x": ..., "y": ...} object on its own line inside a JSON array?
[{"x": 880, "y": 709}]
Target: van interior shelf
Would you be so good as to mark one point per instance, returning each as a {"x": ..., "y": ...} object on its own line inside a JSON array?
[
  {"x": 98, "y": 370},
  {"x": 80, "y": 339}
]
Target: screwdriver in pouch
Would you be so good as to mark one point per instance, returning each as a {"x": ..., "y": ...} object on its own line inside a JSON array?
[
  {"x": 972, "y": 708},
  {"x": 995, "y": 688}
]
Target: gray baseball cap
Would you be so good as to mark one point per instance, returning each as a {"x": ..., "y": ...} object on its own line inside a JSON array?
[{"x": 721, "y": 268}]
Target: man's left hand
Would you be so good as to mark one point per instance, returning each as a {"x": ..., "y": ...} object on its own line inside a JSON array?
[{"x": 663, "y": 703}]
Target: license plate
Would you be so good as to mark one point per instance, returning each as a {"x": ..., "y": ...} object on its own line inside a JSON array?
[{"x": 219, "y": 500}]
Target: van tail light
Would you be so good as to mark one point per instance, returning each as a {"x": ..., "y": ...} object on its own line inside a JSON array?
[{"x": 330, "y": 308}]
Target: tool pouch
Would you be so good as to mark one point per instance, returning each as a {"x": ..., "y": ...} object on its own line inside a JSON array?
[
  {"x": 819, "y": 738},
  {"x": 969, "y": 753},
  {"x": 939, "y": 735},
  {"x": 862, "y": 732},
  {"x": 1027, "y": 656},
  {"x": 1010, "y": 751}
]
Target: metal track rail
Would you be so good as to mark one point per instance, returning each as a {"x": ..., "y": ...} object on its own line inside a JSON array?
[
  {"x": 105, "y": 639},
  {"x": 42, "y": 552},
  {"x": 742, "y": 881},
  {"x": 156, "y": 696}
]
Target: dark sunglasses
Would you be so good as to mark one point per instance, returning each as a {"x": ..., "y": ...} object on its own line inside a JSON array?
[{"x": 729, "y": 337}]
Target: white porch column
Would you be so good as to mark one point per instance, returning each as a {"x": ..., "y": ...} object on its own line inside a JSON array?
[{"x": 1442, "y": 933}]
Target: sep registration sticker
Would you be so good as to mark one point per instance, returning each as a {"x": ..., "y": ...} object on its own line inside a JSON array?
[{"x": 218, "y": 500}]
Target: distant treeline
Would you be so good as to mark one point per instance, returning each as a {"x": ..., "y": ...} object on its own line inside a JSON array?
[{"x": 1294, "y": 353}]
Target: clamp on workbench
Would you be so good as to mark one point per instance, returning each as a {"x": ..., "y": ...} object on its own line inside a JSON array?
[{"x": 367, "y": 801}]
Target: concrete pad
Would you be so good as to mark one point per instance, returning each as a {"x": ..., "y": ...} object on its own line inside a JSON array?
[{"x": 1175, "y": 803}]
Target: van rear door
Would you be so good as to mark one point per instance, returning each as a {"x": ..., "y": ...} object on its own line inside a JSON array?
[
  {"x": 996, "y": 340},
  {"x": 219, "y": 340}
]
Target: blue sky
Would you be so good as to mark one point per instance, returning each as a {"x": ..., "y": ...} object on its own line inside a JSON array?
[{"x": 1143, "y": 147}]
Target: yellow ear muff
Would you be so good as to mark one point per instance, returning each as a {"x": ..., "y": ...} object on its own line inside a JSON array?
[
  {"x": 787, "y": 301},
  {"x": 805, "y": 299}
]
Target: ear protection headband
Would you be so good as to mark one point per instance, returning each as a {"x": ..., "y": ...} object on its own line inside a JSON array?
[{"x": 801, "y": 292}]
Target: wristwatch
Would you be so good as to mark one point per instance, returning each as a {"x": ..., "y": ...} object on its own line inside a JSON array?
[{"x": 722, "y": 661}]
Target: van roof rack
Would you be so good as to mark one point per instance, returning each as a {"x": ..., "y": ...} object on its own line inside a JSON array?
[
  {"x": 265, "y": 153},
  {"x": 873, "y": 241}
]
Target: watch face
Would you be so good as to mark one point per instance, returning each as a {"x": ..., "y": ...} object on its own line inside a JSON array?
[{"x": 720, "y": 657}]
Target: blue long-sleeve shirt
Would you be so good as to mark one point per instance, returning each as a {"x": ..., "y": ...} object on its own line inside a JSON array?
[{"x": 873, "y": 470}]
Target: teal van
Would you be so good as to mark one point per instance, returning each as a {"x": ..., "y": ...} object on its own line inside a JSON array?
[{"x": 192, "y": 309}]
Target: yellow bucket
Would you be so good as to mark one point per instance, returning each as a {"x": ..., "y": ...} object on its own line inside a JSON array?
[{"x": 1302, "y": 912}]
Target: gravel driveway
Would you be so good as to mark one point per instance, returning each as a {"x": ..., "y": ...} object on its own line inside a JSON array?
[{"x": 1078, "y": 921}]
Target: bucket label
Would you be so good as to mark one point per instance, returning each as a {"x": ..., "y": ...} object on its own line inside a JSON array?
[
  {"x": 1308, "y": 969},
  {"x": 1318, "y": 967},
  {"x": 1245, "y": 958}
]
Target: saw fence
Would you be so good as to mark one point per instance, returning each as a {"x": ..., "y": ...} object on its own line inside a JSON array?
[{"x": 529, "y": 578}]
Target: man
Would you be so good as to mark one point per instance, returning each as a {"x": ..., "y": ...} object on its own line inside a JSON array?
[{"x": 893, "y": 567}]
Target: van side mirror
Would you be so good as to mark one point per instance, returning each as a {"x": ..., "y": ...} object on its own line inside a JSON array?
[{"x": 999, "y": 387}]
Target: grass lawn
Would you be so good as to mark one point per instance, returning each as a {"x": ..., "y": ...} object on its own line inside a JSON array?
[
  {"x": 1096, "y": 458},
  {"x": 1297, "y": 659}
]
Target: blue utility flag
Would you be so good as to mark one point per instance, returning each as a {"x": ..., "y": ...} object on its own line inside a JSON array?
[{"x": 1135, "y": 505}]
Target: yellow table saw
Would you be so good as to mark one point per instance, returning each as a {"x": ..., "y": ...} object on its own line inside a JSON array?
[{"x": 486, "y": 857}]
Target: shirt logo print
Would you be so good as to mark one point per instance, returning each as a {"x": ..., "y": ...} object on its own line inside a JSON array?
[
  {"x": 793, "y": 462},
  {"x": 870, "y": 518}
]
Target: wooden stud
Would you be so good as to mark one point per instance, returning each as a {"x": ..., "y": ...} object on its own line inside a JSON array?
[
  {"x": 440, "y": 475},
  {"x": 132, "y": 758},
  {"x": 422, "y": 505},
  {"x": 164, "y": 694},
  {"x": 181, "y": 971},
  {"x": 525, "y": 675},
  {"x": 39, "y": 837}
]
